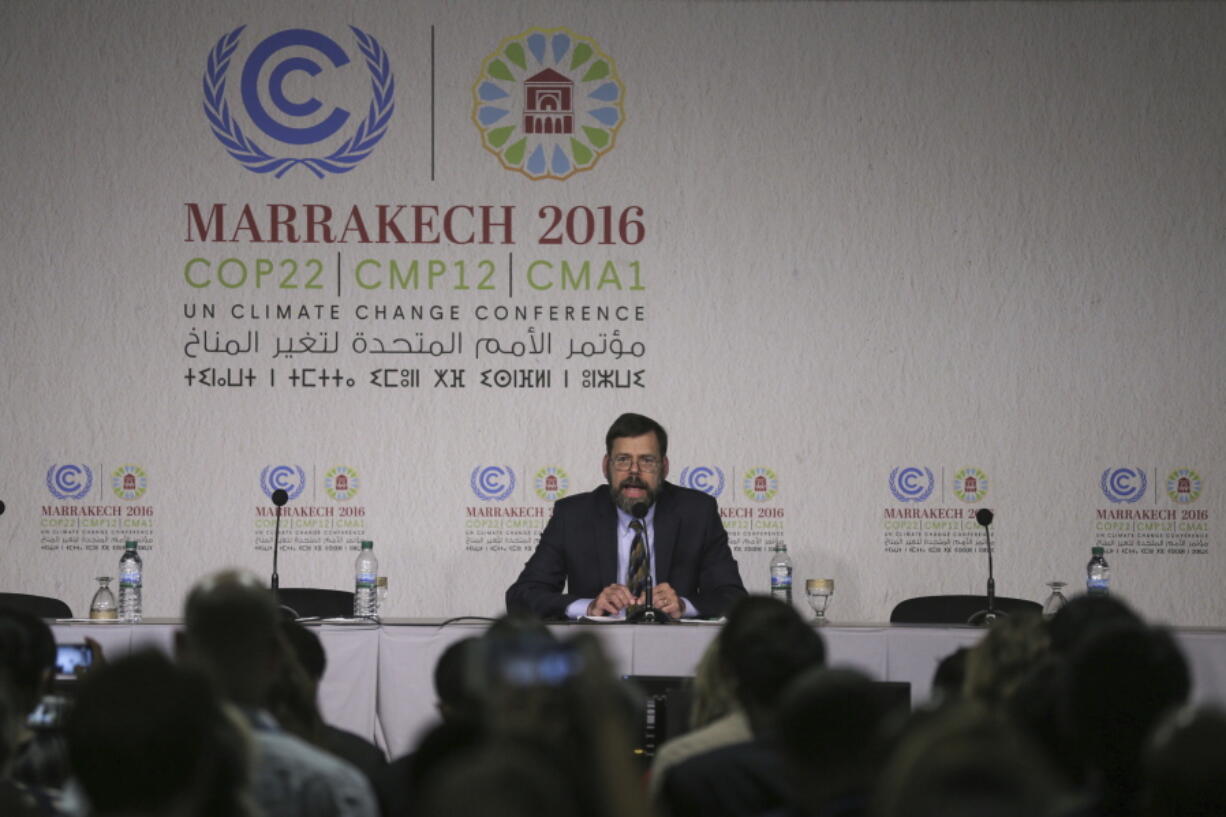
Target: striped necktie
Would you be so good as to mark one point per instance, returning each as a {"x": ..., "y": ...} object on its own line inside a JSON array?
[{"x": 636, "y": 575}]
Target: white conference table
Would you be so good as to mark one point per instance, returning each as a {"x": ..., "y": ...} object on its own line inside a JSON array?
[{"x": 379, "y": 680}]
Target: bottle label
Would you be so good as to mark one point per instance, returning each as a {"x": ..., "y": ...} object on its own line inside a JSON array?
[
  {"x": 1097, "y": 586},
  {"x": 365, "y": 581},
  {"x": 781, "y": 581},
  {"x": 129, "y": 580}
]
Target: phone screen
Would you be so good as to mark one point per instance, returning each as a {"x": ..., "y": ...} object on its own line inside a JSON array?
[{"x": 68, "y": 657}]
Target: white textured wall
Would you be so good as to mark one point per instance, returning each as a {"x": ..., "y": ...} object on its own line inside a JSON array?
[{"x": 878, "y": 236}]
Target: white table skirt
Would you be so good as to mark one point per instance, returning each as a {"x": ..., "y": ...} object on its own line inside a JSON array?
[{"x": 379, "y": 680}]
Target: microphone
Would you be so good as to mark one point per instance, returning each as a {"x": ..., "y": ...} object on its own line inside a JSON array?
[
  {"x": 279, "y": 498},
  {"x": 647, "y": 614},
  {"x": 984, "y": 517}
]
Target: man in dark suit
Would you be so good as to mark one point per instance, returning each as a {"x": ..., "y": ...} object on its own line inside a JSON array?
[{"x": 598, "y": 549}]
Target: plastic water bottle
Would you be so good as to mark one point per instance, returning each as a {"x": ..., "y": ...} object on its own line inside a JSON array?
[
  {"x": 1098, "y": 573},
  {"x": 130, "y": 567},
  {"x": 781, "y": 574},
  {"x": 365, "y": 579}
]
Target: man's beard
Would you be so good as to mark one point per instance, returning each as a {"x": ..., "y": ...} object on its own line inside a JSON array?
[{"x": 627, "y": 503}]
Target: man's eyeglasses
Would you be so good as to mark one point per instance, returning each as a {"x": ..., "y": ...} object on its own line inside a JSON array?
[{"x": 647, "y": 464}]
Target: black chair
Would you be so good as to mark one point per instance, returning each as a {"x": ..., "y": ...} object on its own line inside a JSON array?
[
  {"x": 955, "y": 609},
  {"x": 41, "y": 606},
  {"x": 315, "y": 602}
]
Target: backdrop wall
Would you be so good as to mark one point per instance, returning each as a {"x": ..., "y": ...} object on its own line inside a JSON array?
[{"x": 874, "y": 266}]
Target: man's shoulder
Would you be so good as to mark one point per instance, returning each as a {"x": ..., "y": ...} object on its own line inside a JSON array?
[
  {"x": 303, "y": 760},
  {"x": 689, "y": 498},
  {"x": 584, "y": 501}
]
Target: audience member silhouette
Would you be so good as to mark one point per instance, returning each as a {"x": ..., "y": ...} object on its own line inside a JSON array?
[
  {"x": 833, "y": 728},
  {"x": 232, "y": 631},
  {"x": 716, "y": 719},
  {"x": 152, "y": 739},
  {"x": 1186, "y": 768},
  {"x": 766, "y": 645},
  {"x": 27, "y": 665}
]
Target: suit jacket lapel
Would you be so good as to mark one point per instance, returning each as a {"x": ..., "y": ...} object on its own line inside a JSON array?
[
  {"x": 666, "y": 526},
  {"x": 605, "y": 537}
]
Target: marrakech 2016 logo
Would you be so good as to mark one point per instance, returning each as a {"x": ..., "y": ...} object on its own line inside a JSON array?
[
  {"x": 1183, "y": 485},
  {"x": 129, "y": 482},
  {"x": 552, "y": 483},
  {"x": 341, "y": 483},
  {"x": 970, "y": 484},
  {"x": 548, "y": 103},
  {"x": 760, "y": 484},
  {"x": 280, "y": 70}
]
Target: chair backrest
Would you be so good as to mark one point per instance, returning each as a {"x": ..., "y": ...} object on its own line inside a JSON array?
[
  {"x": 955, "y": 609},
  {"x": 316, "y": 602},
  {"x": 41, "y": 606}
]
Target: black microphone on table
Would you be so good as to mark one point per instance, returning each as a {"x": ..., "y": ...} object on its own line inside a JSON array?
[
  {"x": 279, "y": 498},
  {"x": 984, "y": 517},
  {"x": 647, "y": 614}
]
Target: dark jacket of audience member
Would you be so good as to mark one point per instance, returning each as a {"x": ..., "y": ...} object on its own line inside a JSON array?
[
  {"x": 766, "y": 645},
  {"x": 147, "y": 737}
]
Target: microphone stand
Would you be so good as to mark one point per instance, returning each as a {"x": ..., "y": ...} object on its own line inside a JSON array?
[
  {"x": 279, "y": 498},
  {"x": 984, "y": 617},
  {"x": 647, "y": 614}
]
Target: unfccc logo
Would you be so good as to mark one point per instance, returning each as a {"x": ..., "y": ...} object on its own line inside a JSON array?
[
  {"x": 493, "y": 482},
  {"x": 912, "y": 484},
  {"x": 288, "y": 478},
  {"x": 708, "y": 479},
  {"x": 69, "y": 481},
  {"x": 1124, "y": 484},
  {"x": 283, "y": 70}
]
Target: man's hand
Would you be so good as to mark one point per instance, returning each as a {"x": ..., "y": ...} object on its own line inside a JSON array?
[
  {"x": 611, "y": 601},
  {"x": 666, "y": 600}
]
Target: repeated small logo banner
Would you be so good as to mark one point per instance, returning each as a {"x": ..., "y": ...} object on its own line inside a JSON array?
[
  {"x": 922, "y": 522},
  {"x": 1151, "y": 517},
  {"x": 496, "y": 525},
  {"x": 96, "y": 514},
  {"x": 320, "y": 514}
]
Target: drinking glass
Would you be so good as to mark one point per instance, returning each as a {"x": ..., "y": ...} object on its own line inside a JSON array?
[
  {"x": 103, "y": 606},
  {"x": 819, "y": 592},
  {"x": 1056, "y": 600}
]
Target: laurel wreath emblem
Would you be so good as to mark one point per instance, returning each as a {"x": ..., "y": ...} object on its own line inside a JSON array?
[
  {"x": 1107, "y": 483},
  {"x": 256, "y": 159},
  {"x": 919, "y": 496},
  {"x": 477, "y": 482},
  {"x": 62, "y": 492}
]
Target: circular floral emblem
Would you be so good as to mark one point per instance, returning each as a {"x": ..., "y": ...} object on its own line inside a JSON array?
[{"x": 548, "y": 103}]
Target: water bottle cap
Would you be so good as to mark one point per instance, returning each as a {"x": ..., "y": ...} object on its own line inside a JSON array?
[
  {"x": 367, "y": 544},
  {"x": 129, "y": 545},
  {"x": 1096, "y": 551}
]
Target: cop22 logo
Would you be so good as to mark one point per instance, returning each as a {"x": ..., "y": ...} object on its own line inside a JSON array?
[
  {"x": 256, "y": 77},
  {"x": 492, "y": 483},
  {"x": 912, "y": 484},
  {"x": 1124, "y": 484}
]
